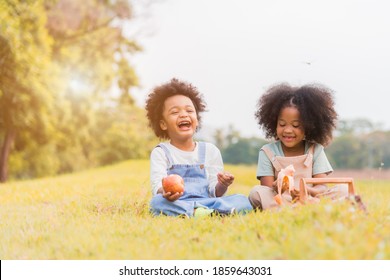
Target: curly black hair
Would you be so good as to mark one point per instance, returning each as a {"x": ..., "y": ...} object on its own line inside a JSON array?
[
  {"x": 314, "y": 102},
  {"x": 155, "y": 103}
]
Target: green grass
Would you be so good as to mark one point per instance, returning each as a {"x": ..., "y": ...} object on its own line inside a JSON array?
[{"x": 103, "y": 214}]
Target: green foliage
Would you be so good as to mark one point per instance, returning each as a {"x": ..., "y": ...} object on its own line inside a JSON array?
[
  {"x": 60, "y": 63},
  {"x": 26, "y": 98},
  {"x": 347, "y": 151},
  {"x": 359, "y": 151},
  {"x": 103, "y": 214},
  {"x": 244, "y": 150},
  {"x": 356, "y": 126},
  {"x": 357, "y": 145},
  {"x": 123, "y": 134},
  {"x": 43, "y": 163},
  {"x": 236, "y": 149}
]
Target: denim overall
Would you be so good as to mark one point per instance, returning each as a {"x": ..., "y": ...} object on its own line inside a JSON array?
[{"x": 196, "y": 193}]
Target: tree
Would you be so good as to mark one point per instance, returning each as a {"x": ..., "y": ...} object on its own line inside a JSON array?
[
  {"x": 91, "y": 44},
  {"x": 236, "y": 149},
  {"x": 124, "y": 135},
  {"x": 223, "y": 140},
  {"x": 347, "y": 151},
  {"x": 243, "y": 151},
  {"x": 356, "y": 126},
  {"x": 25, "y": 99},
  {"x": 59, "y": 60},
  {"x": 359, "y": 144}
]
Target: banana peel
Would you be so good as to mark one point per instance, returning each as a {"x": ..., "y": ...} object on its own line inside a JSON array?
[{"x": 285, "y": 183}]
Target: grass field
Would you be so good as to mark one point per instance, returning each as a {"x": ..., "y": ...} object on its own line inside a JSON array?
[{"x": 103, "y": 214}]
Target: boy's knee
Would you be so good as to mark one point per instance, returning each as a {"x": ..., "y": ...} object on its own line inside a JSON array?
[
  {"x": 244, "y": 203},
  {"x": 156, "y": 201}
]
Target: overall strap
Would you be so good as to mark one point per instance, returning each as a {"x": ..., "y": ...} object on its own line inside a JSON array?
[
  {"x": 272, "y": 158},
  {"x": 167, "y": 153},
  {"x": 202, "y": 152},
  {"x": 310, "y": 154}
]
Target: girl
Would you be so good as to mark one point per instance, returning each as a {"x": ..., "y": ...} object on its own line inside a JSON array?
[
  {"x": 301, "y": 120},
  {"x": 173, "y": 110}
]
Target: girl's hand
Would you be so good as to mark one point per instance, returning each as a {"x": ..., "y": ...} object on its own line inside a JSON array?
[
  {"x": 172, "y": 197},
  {"x": 294, "y": 193},
  {"x": 225, "y": 178},
  {"x": 316, "y": 190},
  {"x": 275, "y": 185}
]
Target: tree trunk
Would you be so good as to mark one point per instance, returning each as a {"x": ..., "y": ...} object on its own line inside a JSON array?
[{"x": 9, "y": 138}]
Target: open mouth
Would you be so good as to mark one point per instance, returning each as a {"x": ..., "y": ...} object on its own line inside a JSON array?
[
  {"x": 184, "y": 124},
  {"x": 289, "y": 138}
]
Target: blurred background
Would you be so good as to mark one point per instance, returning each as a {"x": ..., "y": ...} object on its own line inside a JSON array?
[{"x": 74, "y": 75}]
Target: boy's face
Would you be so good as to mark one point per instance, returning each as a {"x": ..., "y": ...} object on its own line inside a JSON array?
[{"x": 179, "y": 118}]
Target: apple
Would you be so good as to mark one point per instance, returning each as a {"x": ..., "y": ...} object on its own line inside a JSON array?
[{"x": 173, "y": 183}]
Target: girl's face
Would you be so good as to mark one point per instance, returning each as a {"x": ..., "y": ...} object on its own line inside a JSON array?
[
  {"x": 289, "y": 129},
  {"x": 179, "y": 118}
]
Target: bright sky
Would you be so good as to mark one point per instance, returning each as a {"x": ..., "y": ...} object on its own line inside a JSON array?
[{"x": 232, "y": 50}]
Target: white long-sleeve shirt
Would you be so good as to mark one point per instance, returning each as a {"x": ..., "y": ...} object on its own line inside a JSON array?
[{"x": 159, "y": 164}]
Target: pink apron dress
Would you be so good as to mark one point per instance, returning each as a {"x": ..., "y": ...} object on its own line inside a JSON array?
[{"x": 262, "y": 197}]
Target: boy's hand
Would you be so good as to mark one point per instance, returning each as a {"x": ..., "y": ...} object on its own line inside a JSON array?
[
  {"x": 225, "y": 178},
  {"x": 172, "y": 196}
]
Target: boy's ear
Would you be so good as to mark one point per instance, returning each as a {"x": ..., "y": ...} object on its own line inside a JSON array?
[{"x": 163, "y": 125}]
